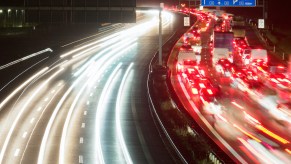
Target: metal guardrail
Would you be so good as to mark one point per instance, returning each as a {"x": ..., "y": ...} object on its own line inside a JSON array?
[{"x": 25, "y": 58}]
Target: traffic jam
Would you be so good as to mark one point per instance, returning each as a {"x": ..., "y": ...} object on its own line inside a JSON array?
[{"x": 242, "y": 95}]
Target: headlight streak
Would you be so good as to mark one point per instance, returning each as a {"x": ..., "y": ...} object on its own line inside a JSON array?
[
  {"x": 3, "y": 103},
  {"x": 263, "y": 151},
  {"x": 252, "y": 150},
  {"x": 111, "y": 56},
  {"x": 55, "y": 93},
  {"x": 68, "y": 118},
  {"x": 100, "y": 111},
  {"x": 121, "y": 46},
  {"x": 50, "y": 123},
  {"x": 7, "y": 139},
  {"x": 88, "y": 45},
  {"x": 117, "y": 117}
]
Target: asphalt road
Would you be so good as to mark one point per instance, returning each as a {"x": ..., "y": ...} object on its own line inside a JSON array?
[
  {"x": 87, "y": 105},
  {"x": 245, "y": 127}
]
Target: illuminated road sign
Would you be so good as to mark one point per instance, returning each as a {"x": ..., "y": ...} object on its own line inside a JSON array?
[{"x": 229, "y": 3}]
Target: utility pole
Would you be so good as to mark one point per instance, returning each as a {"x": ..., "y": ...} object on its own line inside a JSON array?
[{"x": 160, "y": 34}]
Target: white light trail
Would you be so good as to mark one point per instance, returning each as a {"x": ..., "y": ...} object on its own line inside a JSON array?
[
  {"x": 7, "y": 139},
  {"x": 65, "y": 128},
  {"x": 100, "y": 111},
  {"x": 46, "y": 107},
  {"x": 50, "y": 123},
  {"x": 3, "y": 103},
  {"x": 117, "y": 117}
]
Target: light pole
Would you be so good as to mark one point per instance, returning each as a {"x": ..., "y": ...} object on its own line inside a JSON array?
[{"x": 160, "y": 34}]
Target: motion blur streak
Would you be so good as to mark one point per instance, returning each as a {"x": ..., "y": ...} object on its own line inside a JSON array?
[
  {"x": 100, "y": 111},
  {"x": 247, "y": 133},
  {"x": 20, "y": 88},
  {"x": 121, "y": 46},
  {"x": 45, "y": 108},
  {"x": 50, "y": 123},
  {"x": 66, "y": 125},
  {"x": 267, "y": 155},
  {"x": 271, "y": 134},
  {"x": 250, "y": 148},
  {"x": 117, "y": 115},
  {"x": 142, "y": 28},
  {"x": 20, "y": 114}
]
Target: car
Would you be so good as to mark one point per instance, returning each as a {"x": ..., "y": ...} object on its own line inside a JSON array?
[{"x": 223, "y": 67}]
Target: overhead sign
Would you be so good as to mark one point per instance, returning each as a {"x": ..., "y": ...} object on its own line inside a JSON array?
[
  {"x": 261, "y": 23},
  {"x": 186, "y": 21},
  {"x": 229, "y": 3}
]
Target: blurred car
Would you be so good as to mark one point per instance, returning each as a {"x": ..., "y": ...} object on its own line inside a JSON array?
[{"x": 223, "y": 67}]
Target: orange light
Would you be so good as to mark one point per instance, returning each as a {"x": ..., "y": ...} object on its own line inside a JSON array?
[
  {"x": 288, "y": 151},
  {"x": 247, "y": 133},
  {"x": 271, "y": 134}
]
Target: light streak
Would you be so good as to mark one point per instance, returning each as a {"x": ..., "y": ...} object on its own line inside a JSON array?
[
  {"x": 7, "y": 139},
  {"x": 247, "y": 133},
  {"x": 46, "y": 107},
  {"x": 117, "y": 115},
  {"x": 21, "y": 87},
  {"x": 100, "y": 111},
  {"x": 271, "y": 134},
  {"x": 253, "y": 151},
  {"x": 237, "y": 105},
  {"x": 52, "y": 118}
]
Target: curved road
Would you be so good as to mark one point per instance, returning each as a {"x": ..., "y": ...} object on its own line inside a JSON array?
[{"x": 89, "y": 105}]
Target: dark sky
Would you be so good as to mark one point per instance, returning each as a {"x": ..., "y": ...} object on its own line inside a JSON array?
[{"x": 278, "y": 11}]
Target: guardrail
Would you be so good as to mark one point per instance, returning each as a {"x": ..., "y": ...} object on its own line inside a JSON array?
[{"x": 25, "y": 58}]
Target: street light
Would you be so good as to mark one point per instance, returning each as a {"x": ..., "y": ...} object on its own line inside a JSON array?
[{"x": 1, "y": 11}]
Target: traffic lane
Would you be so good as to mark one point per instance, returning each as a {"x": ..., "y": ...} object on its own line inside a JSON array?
[{"x": 22, "y": 122}]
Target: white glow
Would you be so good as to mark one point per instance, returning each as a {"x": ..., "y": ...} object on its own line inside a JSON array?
[
  {"x": 7, "y": 139},
  {"x": 118, "y": 121},
  {"x": 100, "y": 110},
  {"x": 103, "y": 53},
  {"x": 50, "y": 123},
  {"x": 269, "y": 157},
  {"x": 21, "y": 87},
  {"x": 68, "y": 118}
]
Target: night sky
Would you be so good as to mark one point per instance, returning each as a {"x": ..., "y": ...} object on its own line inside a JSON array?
[{"x": 278, "y": 10}]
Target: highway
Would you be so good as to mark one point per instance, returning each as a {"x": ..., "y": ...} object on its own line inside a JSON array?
[
  {"x": 247, "y": 125},
  {"x": 88, "y": 104}
]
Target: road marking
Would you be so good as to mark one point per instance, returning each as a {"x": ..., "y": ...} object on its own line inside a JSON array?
[
  {"x": 24, "y": 135},
  {"x": 81, "y": 159},
  {"x": 85, "y": 112},
  {"x": 16, "y": 152},
  {"x": 46, "y": 99},
  {"x": 32, "y": 120},
  {"x": 91, "y": 94},
  {"x": 53, "y": 91},
  {"x": 88, "y": 102},
  {"x": 39, "y": 108},
  {"x": 81, "y": 140},
  {"x": 83, "y": 125}
]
